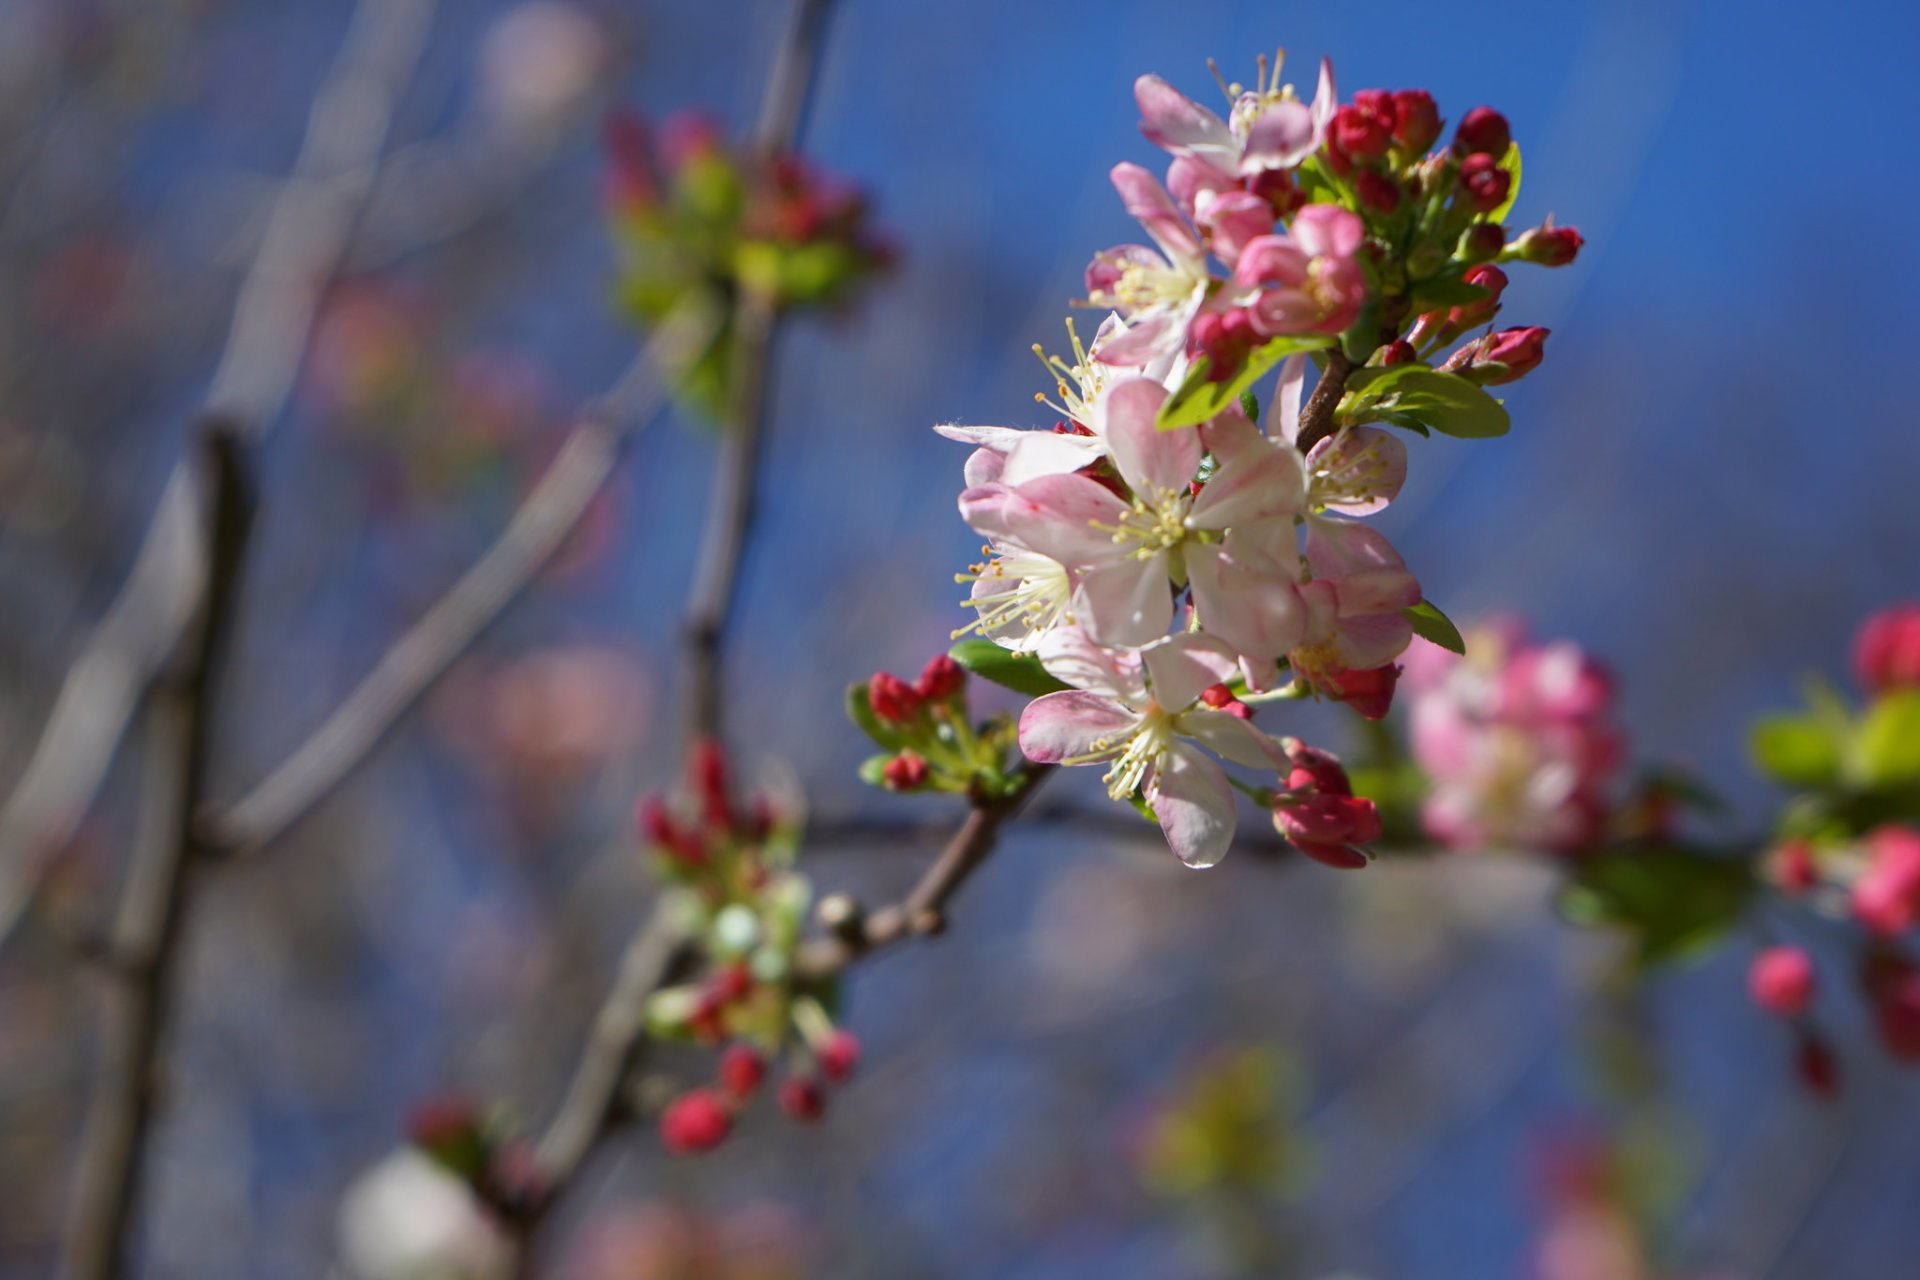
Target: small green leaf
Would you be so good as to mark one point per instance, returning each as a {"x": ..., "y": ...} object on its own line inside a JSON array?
[
  {"x": 873, "y": 769},
  {"x": 1886, "y": 752},
  {"x": 1798, "y": 750},
  {"x": 1197, "y": 399},
  {"x": 860, "y": 711},
  {"x": 1445, "y": 291},
  {"x": 1431, "y": 624},
  {"x": 1673, "y": 901},
  {"x": 1020, "y": 672},
  {"x": 1511, "y": 163},
  {"x": 1250, "y": 405},
  {"x": 1445, "y": 402}
]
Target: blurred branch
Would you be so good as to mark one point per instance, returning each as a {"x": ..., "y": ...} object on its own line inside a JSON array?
[
  {"x": 418, "y": 660},
  {"x": 143, "y": 628},
  {"x": 144, "y": 946}
]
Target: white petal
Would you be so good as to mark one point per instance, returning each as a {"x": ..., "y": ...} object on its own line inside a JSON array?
[
  {"x": 1192, "y": 799},
  {"x": 1184, "y": 665},
  {"x": 1059, "y": 726},
  {"x": 1128, "y": 601}
]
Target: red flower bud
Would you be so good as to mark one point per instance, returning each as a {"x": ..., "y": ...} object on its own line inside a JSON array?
[
  {"x": 1548, "y": 245},
  {"x": 1886, "y": 897},
  {"x": 1312, "y": 768},
  {"x": 443, "y": 1123},
  {"x": 1225, "y": 338},
  {"x": 1819, "y": 1072},
  {"x": 1485, "y": 183},
  {"x": 1500, "y": 357},
  {"x": 742, "y": 1070},
  {"x": 1896, "y": 1015},
  {"x": 940, "y": 679},
  {"x": 1481, "y": 242},
  {"x": 1494, "y": 281},
  {"x": 707, "y": 764},
  {"x": 1416, "y": 120},
  {"x": 1360, "y": 131},
  {"x": 1220, "y": 698},
  {"x": 695, "y": 1121},
  {"x": 1795, "y": 869},
  {"x": 1277, "y": 187},
  {"x": 732, "y": 983},
  {"x": 1377, "y": 191},
  {"x": 1399, "y": 351},
  {"x": 1326, "y": 827},
  {"x": 905, "y": 772},
  {"x": 839, "y": 1055},
  {"x": 1886, "y": 652},
  {"x": 801, "y": 1097},
  {"x": 1368, "y": 692},
  {"x": 1483, "y": 131},
  {"x": 892, "y": 699},
  {"x": 1781, "y": 981}
]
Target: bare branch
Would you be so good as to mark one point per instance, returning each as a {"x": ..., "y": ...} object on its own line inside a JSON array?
[
  {"x": 1316, "y": 418},
  {"x": 142, "y": 630},
  {"x": 145, "y": 943}
]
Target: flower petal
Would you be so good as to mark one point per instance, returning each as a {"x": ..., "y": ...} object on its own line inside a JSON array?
[
  {"x": 1172, "y": 120},
  {"x": 1059, "y": 726},
  {"x": 1148, "y": 201},
  {"x": 1050, "y": 453},
  {"x": 1182, "y": 666},
  {"x": 1231, "y": 738},
  {"x": 1283, "y": 416},
  {"x": 1070, "y": 655},
  {"x": 1127, "y": 601},
  {"x": 1057, "y": 516},
  {"x": 1357, "y": 471},
  {"x": 1152, "y": 462},
  {"x": 1257, "y": 480},
  {"x": 1192, "y": 799}
]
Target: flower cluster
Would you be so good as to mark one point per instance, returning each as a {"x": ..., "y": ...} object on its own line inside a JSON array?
[
  {"x": 1164, "y": 560},
  {"x": 693, "y": 217},
  {"x": 927, "y": 734},
  {"x": 746, "y": 910},
  {"x": 1517, "y": 740}
]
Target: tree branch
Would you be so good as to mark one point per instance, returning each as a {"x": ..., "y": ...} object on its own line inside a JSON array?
[
  {"x": 1316, "y": 418},
  {"x": 144, "y": 628},
  {"x": 417, "y": 661},
  {"x": 145, "y": 943}
]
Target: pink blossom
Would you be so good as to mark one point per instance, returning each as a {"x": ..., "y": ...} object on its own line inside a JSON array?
[
  {"x": 1156, "y": 293},
  {"x": 1139, "y": 713},
  {"x": 1268, "y": 127},
  {"x": 1308, "y": 280}
]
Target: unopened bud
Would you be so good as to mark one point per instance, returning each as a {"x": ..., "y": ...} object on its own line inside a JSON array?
[
  {"x": 839, "y": 1055},
  {"x": 1483, "y": 131},
  {"x": 905, "y": 772},
  {"x": 1500, "y": 357},
  {"x": 892, "y": 699},
  {"x": 1399, "y": 351},
  {"x": 695, "y": 1121},
  {"x": 1481, "y": 242},
  {"x": 1377, "y": 191},
  {"x": 1416, "y": 120},
  {"x": 940, "y": 679},
  {"x": 1886, "y": 652},
  {"x": 1547, "y": 245},
  {"x": 1226, "y": 338},
  {"x": 1484, "y": 182},
  {"x": 1781, "y": 981},
  {"x": 802, "y": 1098},
  {"x": 742, "y": 1070}
]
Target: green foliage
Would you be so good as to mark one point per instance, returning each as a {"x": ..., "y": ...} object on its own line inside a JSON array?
[
  {"x": 1432, "y": 625},
  {"x": 1886, "y": 750},
  {"x": 1798, "y": 750},
  {"x": 1198, "y": 399},
  {"x": 1673, "y": 902},
  {"x": 1020, "y": 672},
  {"x": 1421, "y": 399},
  {"x": 1511, "y": 163}
]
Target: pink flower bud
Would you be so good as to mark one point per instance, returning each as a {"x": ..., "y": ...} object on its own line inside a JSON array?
[
  {"x": 1781, "y": 981},
  {"x": 1399, "y": 351},
  {"x": 892, "y": 699},
  {"x": 1494, "y": 281},
  {"x": 1484, "y": 182},
  {"x": 1886, "y": 652},
  {"x": 1326, "y": 827},
  {"x": 940, "y": 679},
  {"x": 707, "y": 764},
  {"x": 839, "y": 1055},
  {"x": 1886, "y": 897},
  {"x": 802, "y": 1098},
  {"x": 1377, "y": 191},
  {"x": 1483, "y": 131},
  {"x": 1368, "y": 692},
  {"x": 1481, "y": 242},
  {"x": 695, "y": 1121},
  {"x": 733, "y": 983},
  {"x": 1548, "y": 245},
  {"x": 1279, "y": 190},
  {"x": 742, "y": 1070},
  {"x": 1795, "y": 869},
  {"x": 905, "y": 772},
  {"x": 1360, "y": 131},
  {"x": 1226, "y": 338},
  {"x": 1310, "y": 767},
  {"x": 1416, "y": 120},
  {"x": 1502, "y": 357}
]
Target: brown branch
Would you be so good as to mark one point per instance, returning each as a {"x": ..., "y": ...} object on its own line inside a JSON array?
[
  {"x": 145, "y": 944},
  {"x": 417, "y": 661},
  {"x": 1316, "y": 418},
  {"x": 148, "y": 622}
]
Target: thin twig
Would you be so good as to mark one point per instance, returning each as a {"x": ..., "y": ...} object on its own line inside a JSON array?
[
  {"x": 143, "y": 629},
  {"x": 145, "y": 944},
  {"x": 1316, "y": 418},
  {"x": 417, "y": 661}
]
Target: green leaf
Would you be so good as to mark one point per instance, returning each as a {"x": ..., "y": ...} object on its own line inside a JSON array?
[
  {"x": 1886, "y": 752},
  {"x": 1445, "y": 402},
  {"x": 873, "y": 769},
  {"x": 1197, "y": 399},
  {"x": 1431, "y": 624},
  {"x": 1250, "y": 405},
  {"x": 1798, "y": 750},
  {"x": 1511, "y": 163},
  {"x": 1673, "y": 901},
  {"x": 1445, "y": 291},
  {"x": 1020, "y": 672},
  {"x": 860, "y": 711}
]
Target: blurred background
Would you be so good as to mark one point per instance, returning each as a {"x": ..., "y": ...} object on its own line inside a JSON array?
[{"x": 1709, "y": 485}]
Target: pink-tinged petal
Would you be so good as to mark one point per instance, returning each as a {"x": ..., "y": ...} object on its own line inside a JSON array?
[
  {"x": 1252, "y": 605},
  {"x": 1283, "y": 415},
  {"x": 1050, "y": 453},
  {"x": 1231, "y": 738},
  {"x": 984, "y": 466},
  {"x": 1234, "y": 218},
  {"x": 1189, "y": 177},
  {"x": 1148, "y": 201},
  {"x": 1128, "y": 601},
  {"x": 1328, "y": 231},
  {"x": 1267, "y": 261},
  {"x": 1172, "y": 120},
  {"x": 1153, "y": 334},
  {"x": 1358, "y": 471},
  {"x": 1059, "y": 726},
  {"x": 1152, "y": 462},
  {"x": 1264, "y": 481},
  {"x": 1325, "y": 101},
  {"x": 1371, "y": 640},
  {"x": 1001, "y": 438},
  {"x": 1281, "y": 137},
  {"x": 1181, "y": 667},
  {"x": 1340, "y": 549},
  {"x": 1071, "y": 656},
  {"x": 984, "y": 508},
  {"x": 1107, "y": 266},
  {"x": 1191, "y": 797},
  {"x": 1230, "y": 436},
  {"x": 1068, "y": 517}
]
